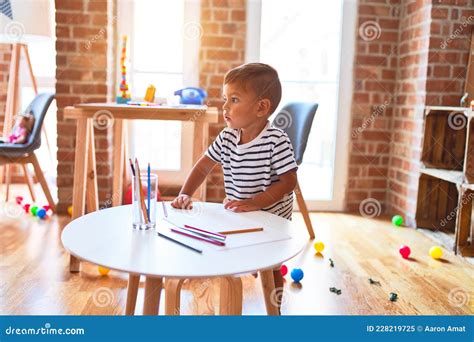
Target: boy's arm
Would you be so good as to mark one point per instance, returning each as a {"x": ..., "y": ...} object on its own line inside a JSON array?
[
  {"x": 273, "y": 194},
  {"x": 194, "y": 179}
]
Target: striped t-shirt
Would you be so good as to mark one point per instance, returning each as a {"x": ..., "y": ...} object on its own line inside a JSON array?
[{"x": 252, "y": 167}]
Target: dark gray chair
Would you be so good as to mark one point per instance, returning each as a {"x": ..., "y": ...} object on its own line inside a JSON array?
[
  {"x": 25, "y": 153},
  {"x": 296, "y": 119}
]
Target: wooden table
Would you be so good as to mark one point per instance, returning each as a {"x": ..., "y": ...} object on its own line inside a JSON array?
[
  {"x": 93, "y": 114},
  {"x": 106, "y": 238}
]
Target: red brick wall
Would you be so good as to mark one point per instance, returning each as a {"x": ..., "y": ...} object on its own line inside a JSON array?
[
  {"x": 83, "y": 58},
  {"x": 222, "y": 48},
  {"x": 407, "y": 120},
  {"x": 375, "y": 68},
  {"x": 429, "y": 62}
]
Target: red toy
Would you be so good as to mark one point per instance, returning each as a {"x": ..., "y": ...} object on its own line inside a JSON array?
[
  {"x": 283, "y": 270},
  {"x": 404, "y": 251}
]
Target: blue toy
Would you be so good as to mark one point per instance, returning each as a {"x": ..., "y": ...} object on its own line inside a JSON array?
[
  {"x": 191, "y": 95},
  {"x": 297, "y": 274},
  {"x": 41, "y": 213}
]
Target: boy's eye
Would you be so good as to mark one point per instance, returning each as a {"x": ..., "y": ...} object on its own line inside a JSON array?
[{"x": 235, "y": 100}]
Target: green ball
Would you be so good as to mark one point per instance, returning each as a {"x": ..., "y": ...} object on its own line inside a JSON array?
[
  {"x": 33, "y": 210},
  {"x": 397, "y": 220}
]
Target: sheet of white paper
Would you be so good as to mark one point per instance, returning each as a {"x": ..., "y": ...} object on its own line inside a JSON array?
[{"x": 212, "y": 220}]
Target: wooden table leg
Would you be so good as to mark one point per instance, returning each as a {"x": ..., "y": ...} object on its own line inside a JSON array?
[
  {"x": 80, "y": 174},
  {"x": 231, "y": 296},
  {"x": 268, "y": 286},
  {"x": 201, "y": 138},
  {"x": 118, "y": 162},
  {"x": 132, "y": 291},
  {"x": 91, "y": 180},
  {"x": 151, "y": 303},
  {"x": 173, "y": 296}
]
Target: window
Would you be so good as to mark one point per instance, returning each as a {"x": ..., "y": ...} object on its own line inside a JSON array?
[
  {"x": 43, "y": 61},
  {"x": 303, "y": 41},
  {"x": 157, "y": 48}
]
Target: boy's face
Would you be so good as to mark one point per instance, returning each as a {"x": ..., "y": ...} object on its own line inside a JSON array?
[{"x": 240, "y": 107}]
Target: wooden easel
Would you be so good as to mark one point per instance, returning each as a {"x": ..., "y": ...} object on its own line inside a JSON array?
[{"x": 12, "y": 108}]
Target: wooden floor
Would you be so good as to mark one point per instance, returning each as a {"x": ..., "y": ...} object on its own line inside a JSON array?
[{"x": 34, "y": 276}]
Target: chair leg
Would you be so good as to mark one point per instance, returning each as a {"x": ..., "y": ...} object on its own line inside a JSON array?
[
  {"x": 42, "y": 180},
  {"x": 304, "y": 210},
  {"x": 29, "y": 181},
  {"x": 231, "y": 296},
  {"x": 173, "y": 296}
]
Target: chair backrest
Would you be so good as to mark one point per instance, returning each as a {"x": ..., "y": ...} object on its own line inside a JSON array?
[
  {"x": 296, "y": 119},
  {"x": 39, "y": 107}
]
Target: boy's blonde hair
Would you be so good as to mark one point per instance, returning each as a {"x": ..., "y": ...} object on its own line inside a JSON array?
[{"x": 259, "y": 78}]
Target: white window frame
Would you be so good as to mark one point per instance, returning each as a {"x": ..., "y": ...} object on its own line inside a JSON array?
[
  {"x": 341, "y": 153},
  {"x": 125, "y": 14}
]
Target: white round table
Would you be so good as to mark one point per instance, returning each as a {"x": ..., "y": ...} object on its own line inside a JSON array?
[{"x": 106, "y": 238}]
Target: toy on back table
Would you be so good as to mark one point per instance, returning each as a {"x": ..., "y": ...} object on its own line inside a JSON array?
[
  {"x": 191, "y": 95},
  {"x": 125, "y": 97}
]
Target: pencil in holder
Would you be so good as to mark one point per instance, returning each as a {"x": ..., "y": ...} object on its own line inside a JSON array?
[{"x": 144, "y": 215}]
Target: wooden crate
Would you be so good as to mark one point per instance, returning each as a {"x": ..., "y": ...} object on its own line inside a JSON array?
[
  {"x": 437, "y": 203},
  {"x": 443, "y": 143},
  {"x": 469, "y": 158},
  {"x": 465, "y": 223}
]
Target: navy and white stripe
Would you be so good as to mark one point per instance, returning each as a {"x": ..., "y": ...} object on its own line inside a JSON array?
[
  {"x": 6, "y": 8},
  {"x": 251, "y": 168}
]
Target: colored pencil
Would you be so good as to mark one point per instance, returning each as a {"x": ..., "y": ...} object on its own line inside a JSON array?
[
  {"x": 217, "y": 235},
  {"x": 191, "y": 235},
  {"x": 148, "y": 190},
  {"x": 206, "y": 235},
  {"x": 237, "y": 231},
  {"x": 179, "y": 242},
  {"x": 131, "y": 166},
  {"x": 139, "y": 189}
]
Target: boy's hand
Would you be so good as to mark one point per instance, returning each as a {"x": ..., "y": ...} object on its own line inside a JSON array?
[
  {"x": 182, "y": 202},
  {"x": 242, "y": 206}
]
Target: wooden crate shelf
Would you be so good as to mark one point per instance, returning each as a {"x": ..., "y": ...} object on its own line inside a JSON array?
[
  {"x": 436, "y": 204},
  {"x": 443, "y": 143},
  {"x": 452, "y": 176},
  {"x": 446, "y": 185},
  {"x": 465, "y": 223}
]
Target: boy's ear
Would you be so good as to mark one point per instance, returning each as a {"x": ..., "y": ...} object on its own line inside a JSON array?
[{"x": 263, "y": 107}]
